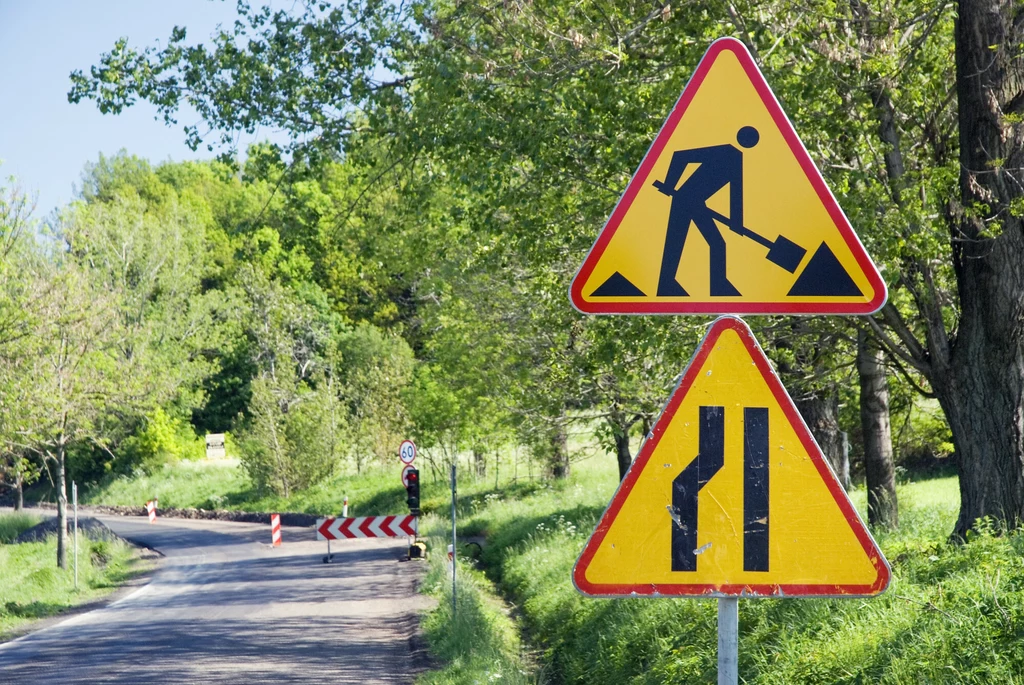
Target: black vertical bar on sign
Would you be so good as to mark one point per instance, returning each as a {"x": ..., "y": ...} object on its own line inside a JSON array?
[
  {"x": 710, "y": 458},
  {"x": 755, "y": 489}
]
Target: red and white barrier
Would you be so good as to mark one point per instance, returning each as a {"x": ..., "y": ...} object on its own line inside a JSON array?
[
  {"x": 151, "y": 510},
  {"x": 275, "y": 530},
  {"x": 365, "y": 527}
]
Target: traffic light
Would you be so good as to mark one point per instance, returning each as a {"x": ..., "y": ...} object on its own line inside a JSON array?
[{"x": 412, "y": 487}]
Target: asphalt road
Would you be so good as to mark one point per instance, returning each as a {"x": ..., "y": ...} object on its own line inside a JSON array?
[{"x": 226, "y": 607}]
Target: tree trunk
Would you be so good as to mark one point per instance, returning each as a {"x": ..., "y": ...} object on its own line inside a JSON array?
[
  {"x": 620, "y": 432},
  {"x": 982, "y": 390},
  {"x": 559, "y": 452},
  {"x": 62, "y": 511},
  {"x": 480, "y": 462},
  {"x": 874, "y": 420},
  {"x": 622, "y": 454},
  {"x": 819, "y": 410}
]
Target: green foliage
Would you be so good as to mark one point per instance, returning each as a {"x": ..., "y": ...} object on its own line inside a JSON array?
[
  {"x": 292, "y": 440},
  {"x": 375, "y": 371},
  {"x": 163, "y": 440},
  {"x": 921, "y": 437},
  {"x": 334, "y": 52}
]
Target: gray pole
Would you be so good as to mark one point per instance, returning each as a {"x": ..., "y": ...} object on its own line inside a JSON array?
[
  {"x": 74, "y": 499},
  {"x": 454, "y": 548},
  {"x": 728, "y": 640}
]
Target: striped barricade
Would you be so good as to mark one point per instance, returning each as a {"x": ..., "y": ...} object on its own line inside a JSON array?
[
  {"x": 275, "y": 530},
  {"x": 151, "y": 510},
  {"x": 366, "y": 527}
]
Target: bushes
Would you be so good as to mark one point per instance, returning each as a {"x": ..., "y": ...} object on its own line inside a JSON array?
[
  {"x": 293, "y": 439},
  {"x": 162, "y": 440}
]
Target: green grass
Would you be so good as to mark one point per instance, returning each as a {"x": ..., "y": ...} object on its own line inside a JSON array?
[
  {"x": 480, "y": 644},
  {"x": 224, "y": 485},
  {"x": 953, "y": 614},
  {"x": 12, "y": 525},
  {"x": 185, "y": 484},
  {"x": 33, "y": 586}
]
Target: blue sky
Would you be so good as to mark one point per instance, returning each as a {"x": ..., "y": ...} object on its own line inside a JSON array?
[{"x": 44, "y": 140}]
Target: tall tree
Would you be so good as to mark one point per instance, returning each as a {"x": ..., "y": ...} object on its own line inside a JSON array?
[
  {"x": 74, "y": 370},
  {"x": 979, "y": 373}
]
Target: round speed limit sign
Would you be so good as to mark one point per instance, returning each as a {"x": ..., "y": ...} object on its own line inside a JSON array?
[{"x": 407, "y": 452}]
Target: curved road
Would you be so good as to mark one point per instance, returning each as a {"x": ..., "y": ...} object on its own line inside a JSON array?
[{"x": 226, "y": 607}]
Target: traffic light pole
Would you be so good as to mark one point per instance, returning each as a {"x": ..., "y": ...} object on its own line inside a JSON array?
[
  {"x": 454, "y": 548},
  {"x": 728, "y": 640}
]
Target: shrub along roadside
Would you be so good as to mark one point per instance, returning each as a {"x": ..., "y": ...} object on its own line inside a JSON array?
[
  {"x": 481, "y": 643},
  {"x": 33, "y": 587},
  {"x": 953, "y": 614}
]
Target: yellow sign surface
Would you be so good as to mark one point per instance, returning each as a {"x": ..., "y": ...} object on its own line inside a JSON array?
[
  {"x": 727, "y": 213},
  {"x": 730, "y": 495}
]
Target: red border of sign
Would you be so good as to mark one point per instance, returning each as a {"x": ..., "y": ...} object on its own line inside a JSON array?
[
  {"x": 706, "y": 589},
  {"x": 406, "y": 469},
  {"x": 813, "y": 175},
  {"x": 414, "y": 451}
]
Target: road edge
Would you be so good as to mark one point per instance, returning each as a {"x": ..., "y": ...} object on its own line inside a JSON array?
[{"x": 147, "y": 555}]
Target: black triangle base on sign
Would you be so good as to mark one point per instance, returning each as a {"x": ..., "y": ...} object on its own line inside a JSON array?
[
  {"x": 617, "y": 285},
  {"x": 824, "y": 277}
]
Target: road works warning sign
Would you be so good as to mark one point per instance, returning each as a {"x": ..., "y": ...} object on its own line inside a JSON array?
[
  {"x": 727, "y": 213},
  {"x": 730, "y": 495}
]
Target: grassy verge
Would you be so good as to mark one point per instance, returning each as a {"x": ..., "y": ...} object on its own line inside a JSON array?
[
  {"x": 952, "y": 614},
  {"x": 33, "y": 587},
  {"x": 224, "y": 485},
  {"x": 480, "y": 643}
]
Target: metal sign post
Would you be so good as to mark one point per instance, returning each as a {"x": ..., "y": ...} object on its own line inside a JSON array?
[
  {"x": 74, "y": 499},
  {"x": 454, "y": 555},
  {"x": 728, "y": 640}
]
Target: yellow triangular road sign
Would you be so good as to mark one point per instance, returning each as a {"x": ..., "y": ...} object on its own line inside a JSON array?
[
  {"x": 727, "y": 213},
  {"x": 730, "y": 495}
]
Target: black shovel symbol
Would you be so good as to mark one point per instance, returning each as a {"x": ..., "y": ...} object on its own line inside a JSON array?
[{"x": 782, "y": 251}]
